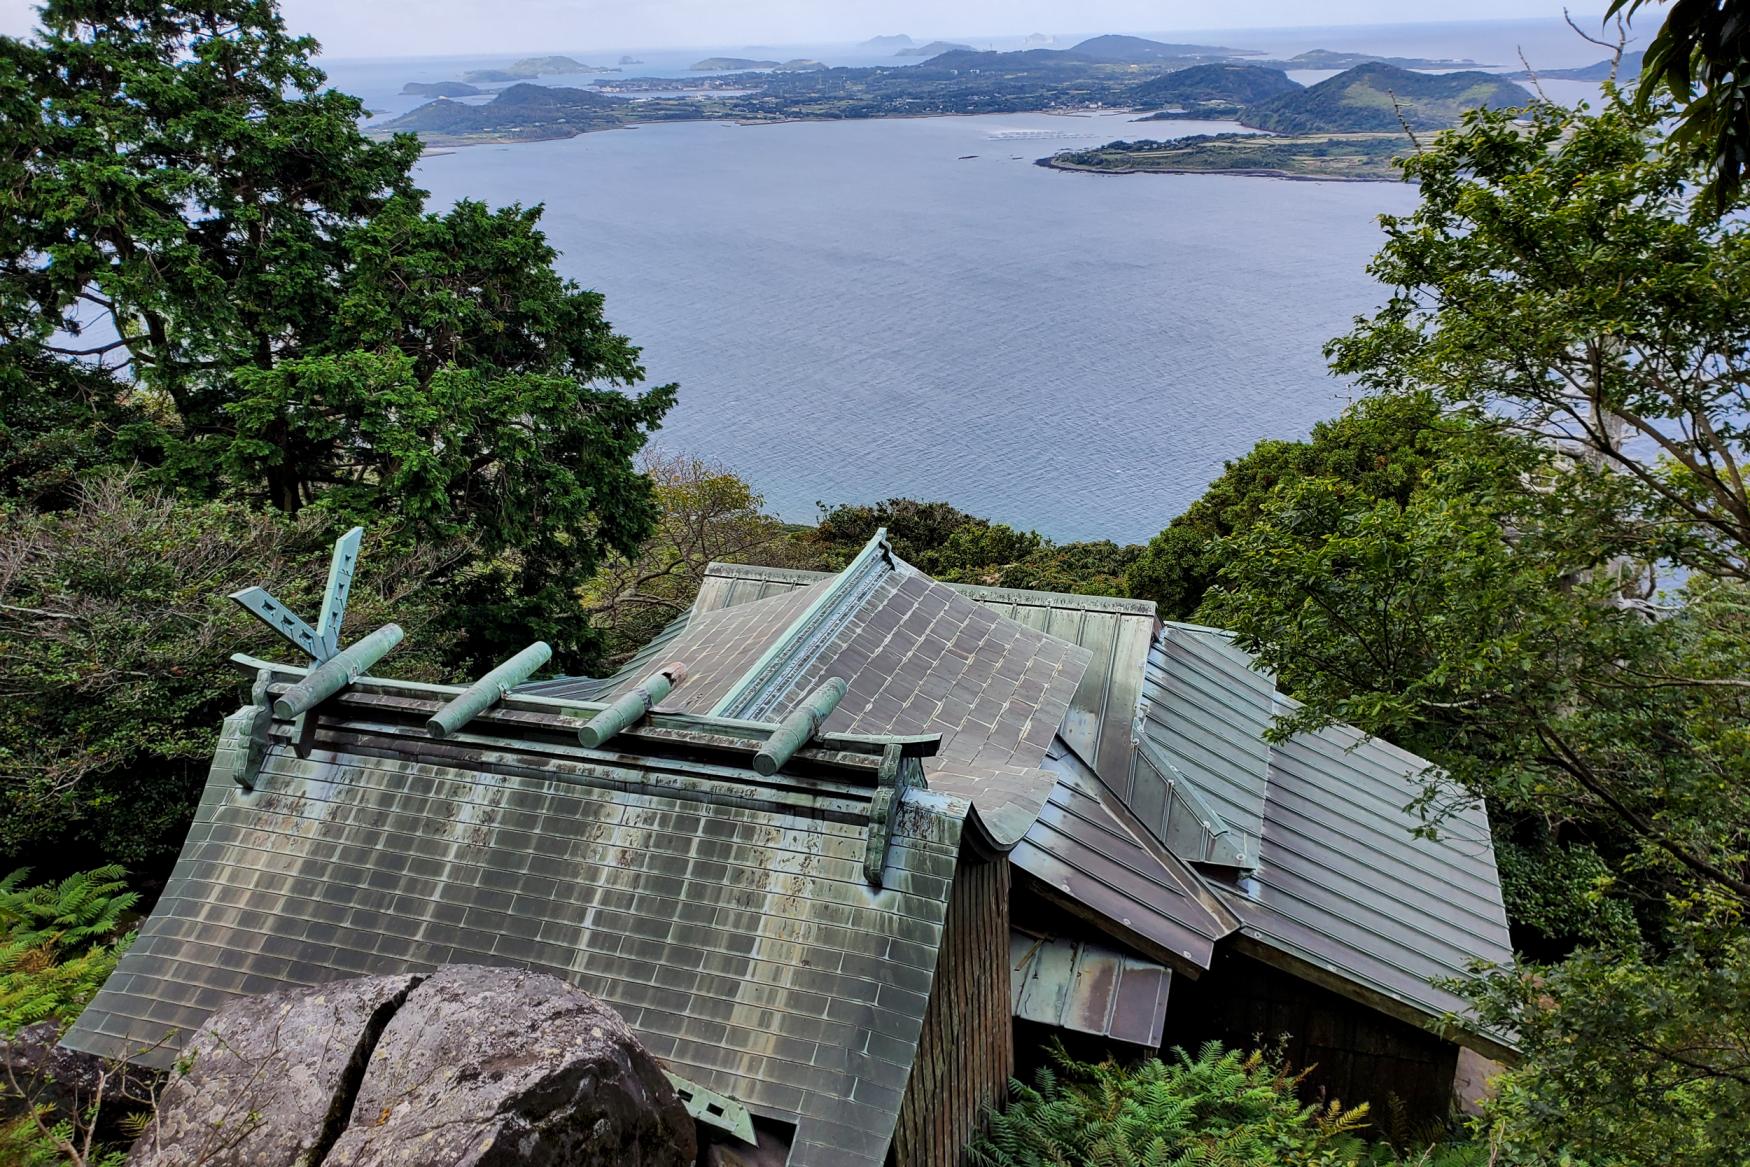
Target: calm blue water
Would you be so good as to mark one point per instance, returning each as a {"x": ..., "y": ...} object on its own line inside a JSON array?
[{"x": 856, "y": 310}]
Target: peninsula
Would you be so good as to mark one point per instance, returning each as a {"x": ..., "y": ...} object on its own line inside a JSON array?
[
  {"x": 1327, "y": 157},
  {"x": 1349, "y": 126}
]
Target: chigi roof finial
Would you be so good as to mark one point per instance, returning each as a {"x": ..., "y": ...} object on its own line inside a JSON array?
[{"x": 323, "y": 641}]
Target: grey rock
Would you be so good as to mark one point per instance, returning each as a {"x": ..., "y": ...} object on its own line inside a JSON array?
[
  {"x": 488, "y": 1067},
  {"x": 268, "y": 1081}
]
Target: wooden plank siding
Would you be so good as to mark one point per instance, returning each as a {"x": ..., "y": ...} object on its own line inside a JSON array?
[
  {"x": 966, "y": 1053},
  {"x": 1356, "y": 1054}
]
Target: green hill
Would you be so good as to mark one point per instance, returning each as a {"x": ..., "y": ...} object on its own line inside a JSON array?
[
  {"x": 521, "y": 113},
  {"x": 1371, "y": 98},
  {"x": 1136, "y": 49},
  {"x": 1210, "y": 87}
]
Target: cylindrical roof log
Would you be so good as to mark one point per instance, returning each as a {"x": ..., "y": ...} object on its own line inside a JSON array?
[
  {"x": 799, "y": 727},
  {"x": 336, "y": 673},
  {"x": 488, "y": 690},
  {"x": 629, "y": 708}
]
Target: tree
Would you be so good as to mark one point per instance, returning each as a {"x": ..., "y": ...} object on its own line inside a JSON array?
[
  {"x": 707, "y": 514},
  {"x": 1703, "y": 43},
  {"x": 1380, "y": 447},
  {"x": 1552, "y": 275},
  {"x": 261, "y": 282},
  {"x": 949, "y": 544},
  {"x": 1553, "y": 291},
  {"x": 113, "y": 680}
]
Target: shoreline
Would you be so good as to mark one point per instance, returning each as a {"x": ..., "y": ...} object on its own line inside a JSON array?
[
  {"x": 1051, "y": 163},
  {"x": 451, "y": 145}
]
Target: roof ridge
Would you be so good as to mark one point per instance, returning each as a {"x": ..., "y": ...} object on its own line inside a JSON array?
[
  {"x": 722, "y": 568},
  {"x": 772, "y": 675},
  {"x": 1073, "y": 600}
]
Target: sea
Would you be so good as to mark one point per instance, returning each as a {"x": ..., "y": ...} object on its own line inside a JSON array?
[{"x": 858, "y": 310}]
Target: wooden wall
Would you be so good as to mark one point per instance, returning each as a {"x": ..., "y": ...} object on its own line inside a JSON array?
[
  {"x": 1360, "y": 1054},
  {"x": 967, "y": 1051}
]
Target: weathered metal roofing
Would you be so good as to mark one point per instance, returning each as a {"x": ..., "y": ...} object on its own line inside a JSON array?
[
  {"x": 719, "y": 648},
  {"x": 917, "y": 657},
  {"x": 1087, "y": 853},
  {"x": 1117, "y": 634},
  {"x": 1088, "y": 988},
  {"x": 1341, "y": 885},
  {"x": 726, "y": 916},
  {"x": 1342, "y": 882},
  {"x": 1203, "y": 716},
  {"x": 1082, "y": 843}
]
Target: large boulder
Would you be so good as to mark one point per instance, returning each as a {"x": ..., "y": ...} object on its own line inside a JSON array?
[
  {"x": 269, "y": 1080},
  {"x": 483, "y": 1067}
]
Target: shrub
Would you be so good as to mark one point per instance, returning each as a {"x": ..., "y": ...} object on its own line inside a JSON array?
[
  {"x": 1219, "y": 1108},
  {"x": 58, "y": 943}
]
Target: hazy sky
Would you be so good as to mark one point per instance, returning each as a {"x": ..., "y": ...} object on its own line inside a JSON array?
[{"x": 349, "y": 28}]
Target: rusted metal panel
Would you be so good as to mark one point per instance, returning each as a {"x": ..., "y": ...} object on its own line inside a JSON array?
[{"x": 1088, "y": 988}]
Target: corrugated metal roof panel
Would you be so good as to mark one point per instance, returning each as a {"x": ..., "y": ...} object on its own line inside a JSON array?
[
  {"x": 1342, "y": 880},
  {"x": 1206, "y": 712},
  {"x": 1088, "y": 988},
  {"x": 1087, "y": 851}
]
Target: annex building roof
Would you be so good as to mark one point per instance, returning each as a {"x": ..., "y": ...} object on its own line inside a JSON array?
[{"x": 1177, "y": 822}]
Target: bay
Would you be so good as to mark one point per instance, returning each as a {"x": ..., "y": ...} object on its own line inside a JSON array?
[{"x": 865, "y": 309}]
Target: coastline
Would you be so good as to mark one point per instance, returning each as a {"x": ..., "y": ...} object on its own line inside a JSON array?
[{"x": 1051, "y": 163}]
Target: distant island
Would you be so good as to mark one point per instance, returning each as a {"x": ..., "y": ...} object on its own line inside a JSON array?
[
  {"x": 440, "y": 89},
  {"x": 800, "y": 65},
  {"x": 724, "y": 64},
  {"x": 897, "y": 41},
  {"x": 1138, "y": 50},
  {"x": 1628, "y": 69},
  {"x": 630, "y": 60},
  {"x": 531, "y": 67},
  {"x": 1326, "y": 59},
  {"x": 933, "y": 49}
]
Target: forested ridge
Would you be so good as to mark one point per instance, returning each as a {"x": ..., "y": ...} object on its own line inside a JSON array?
[{"x": 231, "y": 328}]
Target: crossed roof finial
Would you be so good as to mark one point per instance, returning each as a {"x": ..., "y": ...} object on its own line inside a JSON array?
[{"x": 323, "y": 641}]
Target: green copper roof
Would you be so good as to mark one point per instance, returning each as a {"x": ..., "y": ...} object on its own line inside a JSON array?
[
  {"x": 1340, "y": 882},
  {"x": 726, "y": 916}
]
